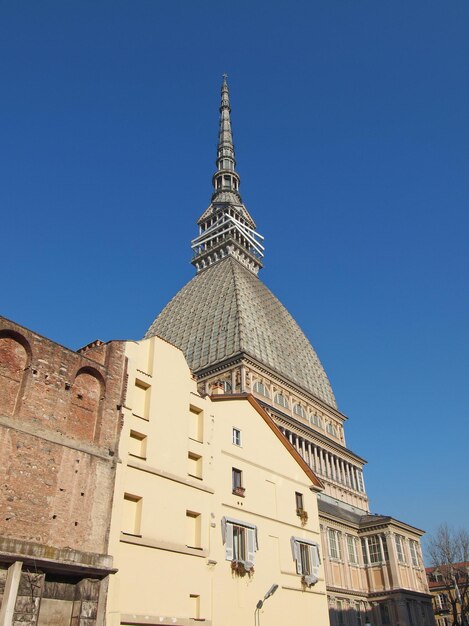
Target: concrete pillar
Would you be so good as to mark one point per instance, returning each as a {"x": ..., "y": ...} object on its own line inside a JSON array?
[
  {"x": 385, "y": 565},
  {"x": 321, "y": 455},
  {"x": 10, "y": 593}
]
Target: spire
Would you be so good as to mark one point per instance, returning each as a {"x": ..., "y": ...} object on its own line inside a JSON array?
[
  {"x": 225, "y": 178},
  {"x": 226, "y": 228}
]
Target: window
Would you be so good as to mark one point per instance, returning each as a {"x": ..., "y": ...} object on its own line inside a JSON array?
[
  {"x": 358, "y": 613},
  {"x": 261, "y": 389},
  {"x": 334, "y": 543},
  {"x": 361, "y": 486},
  {"x": 194, "y": 465},
  {"x": 299, "y": 410},
  {"x": 195, "y": 606},
  {"x": 196, "y": 423},
  {"x": 352, "y": 550},
  {"x": 306, "y": 555},
  {"x": 240, "y": 539},
  {"x": 316, "y": 420},
  {"x": 236, "y": 437},
  {"x": 141, "y": 399},
  {"x": 237, "y": 482},
  {"x": 340, "y": 613},
  {"x": 281, "y": 400},
  {"x": 331, "y": 429},
  {"x": 414, "y": 552},
  {"x": 131, "y": 514},
  {"x": 138, "y": 444},
  {"x": 193, "y": 529},
  {"x": 384, "y": 613},
  {"x": 299, "y": 501},
  {"x": 377, "y": 549},
  {"x": 399, "y": 540}
]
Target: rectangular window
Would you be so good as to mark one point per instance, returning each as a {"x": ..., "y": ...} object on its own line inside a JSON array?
[
  {"x": 334, "y": 543},
  {"x": 352, "y": 550},
  {"x": 340, "y": 613},
  {"x": 138, "y": 444},
  {"x": 299, "y": 502},
  {"x": 237, "y": 482},
  {"x": 384, "y": 613},
  {"x": 399, "y": 540},
  {"x": 193, "y": 529},
  {"x": 358, "y": 613},
  {"x": 141, "y": 399},
  {"x": 194, "y": 465},
  {"x": 196, "y": 423},
  {"x": 240, "y": 542},
  {"x": 306, "y": 556},
  {"x": 374, "y": 549},
  {"x": 195, "y": 606},
  {"x": 236, "y": 437},
  {"x": 131, "y": 514},
  {"x": 414, "y": 552}
]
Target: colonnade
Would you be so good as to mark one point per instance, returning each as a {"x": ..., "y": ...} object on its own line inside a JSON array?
[{"x": 326, "y": 464}]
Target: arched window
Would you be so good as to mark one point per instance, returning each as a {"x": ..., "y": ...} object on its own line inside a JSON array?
[
  {"x": 331, "y": 429},
  {"x": 261, "y": 389},
  {"x": 281, "y": 400},
  {"x": 13, "y": 362},
  {"x": 299, "y": 410},
  {"x": 85, "y": 401},
  {"x": 316, "y": 420}
]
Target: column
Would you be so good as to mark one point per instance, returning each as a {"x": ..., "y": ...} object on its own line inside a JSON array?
[
  {"x": 321, "y": 456},
  {"x": 233, "y": 381},
  {"x": 10, "y": 593},
  {"x": 389, "y": 537},
  {"x": 385, "y": 565},
  {"x": 243, "y": 379}
]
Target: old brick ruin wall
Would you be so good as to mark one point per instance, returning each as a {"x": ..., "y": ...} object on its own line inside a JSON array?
[{"x": 60, "y": 418}]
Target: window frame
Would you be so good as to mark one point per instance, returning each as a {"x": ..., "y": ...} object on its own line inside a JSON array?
[
  {"x": 246, "y": 538},
  {"x": 336, "y": 535},
  {"x": 307, "y": 558},
  {"x": 236, "y": 436}
]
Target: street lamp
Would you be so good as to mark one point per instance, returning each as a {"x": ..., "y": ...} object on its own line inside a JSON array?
[{"x": 260, "y": 604}]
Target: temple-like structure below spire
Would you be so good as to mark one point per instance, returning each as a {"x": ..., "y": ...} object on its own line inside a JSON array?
[{"x": 226, "y": 227}]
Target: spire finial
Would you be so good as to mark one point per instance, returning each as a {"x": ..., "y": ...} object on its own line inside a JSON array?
[
  {"x": 225, "y": 178},
  {"x": 226, "y": 228}
]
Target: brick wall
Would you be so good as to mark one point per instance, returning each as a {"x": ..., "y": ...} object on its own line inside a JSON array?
[{"x": 59, "y": 427}]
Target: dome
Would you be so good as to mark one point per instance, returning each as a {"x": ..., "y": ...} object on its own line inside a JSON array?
[{"x": 226, "y": 311}]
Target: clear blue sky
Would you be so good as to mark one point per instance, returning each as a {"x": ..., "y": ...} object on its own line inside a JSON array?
[{"x": 352, "y": 133}]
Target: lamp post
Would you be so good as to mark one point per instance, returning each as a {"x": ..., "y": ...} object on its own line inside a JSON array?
[{"x": 260, "y": 604}]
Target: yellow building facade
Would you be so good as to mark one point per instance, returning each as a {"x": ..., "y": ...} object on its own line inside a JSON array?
[{"x": 212, "y": 507}]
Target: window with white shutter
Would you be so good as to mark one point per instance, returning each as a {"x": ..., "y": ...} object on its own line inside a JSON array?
[
  {"x": 240, "y": 539},
  {"x": 306, "y": 555}
]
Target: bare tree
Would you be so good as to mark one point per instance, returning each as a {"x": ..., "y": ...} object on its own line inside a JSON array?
[{"x": 449, "y": 554}]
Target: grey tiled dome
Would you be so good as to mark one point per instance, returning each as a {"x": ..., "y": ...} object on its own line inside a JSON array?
[{"x": 226, "y": 311}]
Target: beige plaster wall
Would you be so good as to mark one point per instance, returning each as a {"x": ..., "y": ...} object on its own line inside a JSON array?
[{"x": 158, "y": 573}]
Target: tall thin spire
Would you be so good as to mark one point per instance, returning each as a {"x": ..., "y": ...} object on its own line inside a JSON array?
[
  {"x": 225, "y": 178},
  {"x": 226, "y": 228}
]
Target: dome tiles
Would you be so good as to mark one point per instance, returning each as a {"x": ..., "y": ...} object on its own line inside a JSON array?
[{"x": 226, "y": 311}]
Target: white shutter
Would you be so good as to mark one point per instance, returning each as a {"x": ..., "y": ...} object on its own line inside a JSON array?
[
  {"x": 295, "y": 548},
  {"x": 251, "y": 544},
  {"x": 229, "y": 542},
  {"x": 315, "y": 560},
  {"x": 223, "y": 529}
]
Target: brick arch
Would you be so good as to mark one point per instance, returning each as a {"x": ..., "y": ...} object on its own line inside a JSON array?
[
  {"x": 15, "y": 358},
  {"x": 87, "y": 393}
]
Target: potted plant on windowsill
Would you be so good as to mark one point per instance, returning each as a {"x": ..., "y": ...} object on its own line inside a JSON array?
[
  {"x": 303, "y": 515},
  {"x": 239, "y": 491},
  {"x": 308, "y": 580},
  {"x": 241, "y": 568}
]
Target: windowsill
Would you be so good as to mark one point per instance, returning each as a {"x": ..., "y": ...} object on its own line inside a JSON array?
[
  {"x": 240, "y": 493},
  {"x": 137, "y": 456},
  {"x": 127, "y": 534},
  {"x": 197, "y": 440},
  {"x": 194, "y": 476}
]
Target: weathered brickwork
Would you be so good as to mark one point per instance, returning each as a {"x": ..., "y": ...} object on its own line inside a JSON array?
[{"x": 60, "y": 421}]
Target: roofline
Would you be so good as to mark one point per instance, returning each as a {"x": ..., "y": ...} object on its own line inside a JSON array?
[
  {"x": 317, "y": 484},
  {"x": 370, "y": 524}
]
